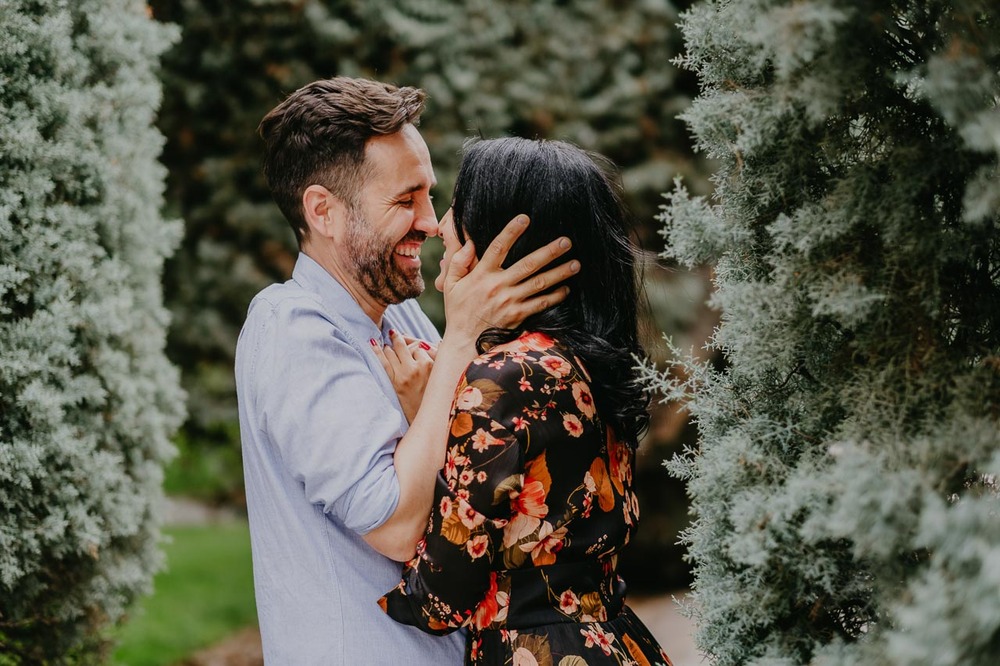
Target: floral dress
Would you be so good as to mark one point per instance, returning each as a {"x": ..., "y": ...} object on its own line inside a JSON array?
[{"x": 533, "y": 504}]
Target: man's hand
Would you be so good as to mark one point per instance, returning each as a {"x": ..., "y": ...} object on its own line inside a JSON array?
[
  {"x": 482, "y": 295},
  {"x": 408, "y": 362}
]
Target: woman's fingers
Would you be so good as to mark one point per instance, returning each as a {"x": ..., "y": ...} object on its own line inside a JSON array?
[
  {"x": 536, "y": 304},
  {"x": 542, "y": 282},
  {"x": 543, "y": 256},
  {"x": 461, "y": 264},
  {"x": 383, "y": 356},
  {"x": 498, "y": 249}
]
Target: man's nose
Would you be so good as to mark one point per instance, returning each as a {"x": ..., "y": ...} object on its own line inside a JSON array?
[{"x": 426, "y": 221}]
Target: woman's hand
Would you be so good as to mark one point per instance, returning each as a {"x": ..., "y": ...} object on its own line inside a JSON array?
[
  {"x": 481, "y": 295},
  {"x": 408, "y": 362}
]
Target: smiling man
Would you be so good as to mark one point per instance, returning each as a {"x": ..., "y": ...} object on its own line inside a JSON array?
[{"x": 339, "y": 481}]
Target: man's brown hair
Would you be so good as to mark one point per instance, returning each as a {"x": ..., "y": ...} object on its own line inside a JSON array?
[{"x": 318, "y": 136}]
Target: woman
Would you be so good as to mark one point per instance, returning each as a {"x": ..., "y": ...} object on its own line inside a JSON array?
[{"x": 536, "y": 498}]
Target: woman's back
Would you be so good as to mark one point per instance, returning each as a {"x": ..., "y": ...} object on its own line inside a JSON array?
[{"x": 533, "y": 504}]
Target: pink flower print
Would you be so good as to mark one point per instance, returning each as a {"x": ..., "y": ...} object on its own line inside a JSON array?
[
  {"x": 445, "y": 507},
  {"x": 466, "y": 477},
  {"x": 597, "y": 636},
  {"x": 470, "y": 517},
  {"x": 568, "y": 602},
  {"x": 584, "y": 399},
  {"x": 573, "y": 425},
  {"x": 469, "y": 398},
  {"x": 556, "y": 366},
  {"x": 477, "y": 546}
]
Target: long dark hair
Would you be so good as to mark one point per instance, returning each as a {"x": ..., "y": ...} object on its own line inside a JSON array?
[{"x": 566, "y": 192}]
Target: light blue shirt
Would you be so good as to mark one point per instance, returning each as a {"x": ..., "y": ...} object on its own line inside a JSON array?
[{"x": 319, "y": 422}]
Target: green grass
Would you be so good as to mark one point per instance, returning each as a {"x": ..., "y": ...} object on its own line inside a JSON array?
[{"x": 205, "y": 593}]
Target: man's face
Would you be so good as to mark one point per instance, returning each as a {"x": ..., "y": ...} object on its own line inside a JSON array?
[{"x": 394, "y": 216}]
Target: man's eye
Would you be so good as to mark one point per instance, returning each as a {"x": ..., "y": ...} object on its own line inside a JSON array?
[{"x": 406, "y": 203}]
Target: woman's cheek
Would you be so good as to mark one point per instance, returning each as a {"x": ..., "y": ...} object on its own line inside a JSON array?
[{"x": 439, "y": 280}]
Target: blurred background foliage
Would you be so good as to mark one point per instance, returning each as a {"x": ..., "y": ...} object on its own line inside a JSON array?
[{"x": 598, "y": 73}]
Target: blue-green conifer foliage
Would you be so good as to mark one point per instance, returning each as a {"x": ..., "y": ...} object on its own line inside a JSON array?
[
  {"x": 845, "y": 486},
  {"x": 88, "y": 400}
]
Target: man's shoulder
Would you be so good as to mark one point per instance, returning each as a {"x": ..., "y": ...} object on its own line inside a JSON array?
[
  {"x": 281, "y": 296},
  {"x": 287, "y": 304}
]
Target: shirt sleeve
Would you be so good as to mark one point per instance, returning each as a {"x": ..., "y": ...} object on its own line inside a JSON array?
[
  {"x": 325, "y": 413},
  {"x": 490, "y": 506}
]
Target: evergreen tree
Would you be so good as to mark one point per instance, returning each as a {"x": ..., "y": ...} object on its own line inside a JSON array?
[
  {"x": 87, "y": 397},
  {"x": 844, "y": 489},
  {"x": 595, "y": 72}
]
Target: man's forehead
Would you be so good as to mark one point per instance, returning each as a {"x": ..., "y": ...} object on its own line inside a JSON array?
[{"x": 401, "y": 161}]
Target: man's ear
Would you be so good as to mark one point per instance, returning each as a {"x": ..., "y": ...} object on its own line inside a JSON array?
[{"x": 323, "y": 211}]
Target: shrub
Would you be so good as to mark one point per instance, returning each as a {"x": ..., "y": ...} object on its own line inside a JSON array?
[
  {"x": 844, "y": 489},
  {"x": 87, "y": 396}
]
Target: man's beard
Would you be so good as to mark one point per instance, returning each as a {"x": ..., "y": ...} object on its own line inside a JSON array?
[{"x": 374, "y": 266}]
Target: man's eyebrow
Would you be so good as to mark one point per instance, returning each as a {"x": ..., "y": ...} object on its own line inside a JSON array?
[{"x": 413, "y": 188}]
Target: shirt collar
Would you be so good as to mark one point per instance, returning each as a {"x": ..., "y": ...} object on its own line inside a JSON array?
[{"x": 312, "y": 277}]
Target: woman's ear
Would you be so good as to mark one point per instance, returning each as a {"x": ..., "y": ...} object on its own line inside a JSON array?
[{"x": 323, "y": 211}]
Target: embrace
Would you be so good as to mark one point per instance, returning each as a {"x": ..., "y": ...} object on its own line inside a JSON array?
[{"x": 496, "y": 461}]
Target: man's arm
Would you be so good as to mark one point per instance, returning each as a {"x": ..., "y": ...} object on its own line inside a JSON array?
[{"x": 475, "y": 300}]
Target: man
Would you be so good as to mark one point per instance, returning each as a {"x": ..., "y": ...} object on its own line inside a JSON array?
[{"x": 339, "y": 480}]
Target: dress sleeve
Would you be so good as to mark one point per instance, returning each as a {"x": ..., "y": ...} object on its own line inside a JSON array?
[{"x": 451, "y": 582}]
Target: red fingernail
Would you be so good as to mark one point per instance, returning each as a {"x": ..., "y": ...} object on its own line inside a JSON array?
[
  {"x": 372, "y": 340},
  {"x": 424, "y": 345},
  {"x": 392, "y": 332}
]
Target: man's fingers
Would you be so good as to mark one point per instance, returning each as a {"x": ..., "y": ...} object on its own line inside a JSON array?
[
  {"x": 543, "y": 256},
  {"x": 498, "y": 249}
]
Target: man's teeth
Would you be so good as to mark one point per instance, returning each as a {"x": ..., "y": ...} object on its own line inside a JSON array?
[{"x": 409, "y": 252}]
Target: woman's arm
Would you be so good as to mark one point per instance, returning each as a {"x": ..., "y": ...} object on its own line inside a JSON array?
[
  {"x": 452, "y": 581},
  {"x": 475, "y": 299}
]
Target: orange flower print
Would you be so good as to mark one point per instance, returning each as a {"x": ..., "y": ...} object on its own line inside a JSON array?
[
  {"x": 466, "y": 476},
  {"x": 534, "y": 342},
  {"x": 620, "y": 465},
  {"x": 477, "y": 546},
  {"x": 493, "y": 607},
  {"x": 519, "y": 423},
  {"x": 568, "y": 602},
  {"x": 584, "y": 399},
  {"x": 530, "y": 500},
  {"x": 528, "y": 507},
  {"x": 556, "y": 366},
  {"x": 573, "y": 425},
  {"x": 525, "y": 385},
  {"x": 469, "y": 398}
]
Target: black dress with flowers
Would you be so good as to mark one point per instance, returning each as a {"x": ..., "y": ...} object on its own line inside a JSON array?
[{"x": 532, "y": 506}]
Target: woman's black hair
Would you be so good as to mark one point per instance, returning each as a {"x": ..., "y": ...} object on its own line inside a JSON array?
[{"x": 565, "y": 192}]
